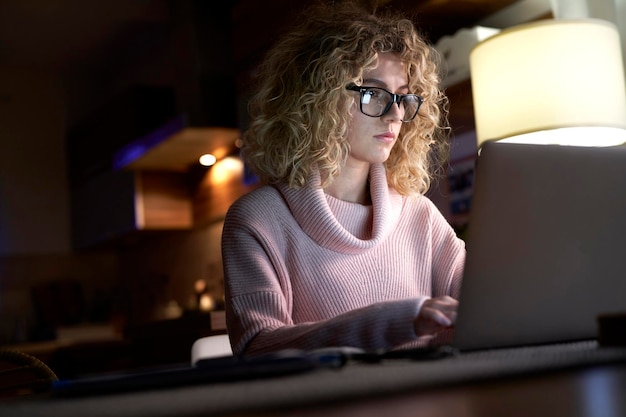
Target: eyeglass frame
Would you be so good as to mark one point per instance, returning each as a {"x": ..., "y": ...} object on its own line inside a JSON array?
[{"x": 395, "y": 98}]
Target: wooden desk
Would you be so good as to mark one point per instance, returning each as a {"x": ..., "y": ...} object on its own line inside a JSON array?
[
  {"x": 592, "y": 392},
  {"x": 478, "y": 386}
]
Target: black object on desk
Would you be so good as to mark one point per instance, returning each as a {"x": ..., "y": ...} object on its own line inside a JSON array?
[
  {"x": 612, "y": 329},
  {"x": 206, "y": 371}
]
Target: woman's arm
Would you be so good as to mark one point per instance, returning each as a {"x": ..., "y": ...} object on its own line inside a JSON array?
[{"x": 259, "y": 306}]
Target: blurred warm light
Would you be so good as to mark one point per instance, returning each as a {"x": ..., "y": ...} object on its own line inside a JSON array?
[
  {"x": 225, "y": 170},
  {"x": 207, "y": 160},
  {"x": 200, "y": 286},
  {"x": 206, "y": 302},
  {"x": 172, "y": 310},
  {"x": 222, "y": 152},
  {"x": 575, "y": 136}
]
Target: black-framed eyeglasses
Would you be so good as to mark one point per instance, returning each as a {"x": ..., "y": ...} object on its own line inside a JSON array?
[{"x": 376, "y": 101}]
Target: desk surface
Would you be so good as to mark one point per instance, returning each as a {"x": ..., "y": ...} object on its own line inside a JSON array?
[{"x": 530, "y": 383}]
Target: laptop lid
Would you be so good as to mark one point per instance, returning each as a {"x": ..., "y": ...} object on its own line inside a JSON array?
[{"x": 546, "y": 245}]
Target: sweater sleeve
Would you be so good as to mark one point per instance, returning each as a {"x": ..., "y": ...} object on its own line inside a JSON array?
[
  {"x": 259, "y": 304},
  {"x": 384, "y": 325},
  {"x": 448, "y": 256}
]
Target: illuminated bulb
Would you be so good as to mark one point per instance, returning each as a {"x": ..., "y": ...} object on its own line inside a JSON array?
[
  {"x": 200, "y": 286},
  {"x": 206, "y": 302},
  {"x": 207, "y": 160}
]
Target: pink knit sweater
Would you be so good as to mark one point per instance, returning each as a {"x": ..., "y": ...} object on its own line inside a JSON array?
[{"x": 305, "y": 270}]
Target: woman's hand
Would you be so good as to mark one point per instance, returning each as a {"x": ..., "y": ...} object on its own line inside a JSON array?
[{"x": 437, "y": 314}]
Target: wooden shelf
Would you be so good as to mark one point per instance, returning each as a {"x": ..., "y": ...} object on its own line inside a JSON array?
[{"x": 175, "y": 147}]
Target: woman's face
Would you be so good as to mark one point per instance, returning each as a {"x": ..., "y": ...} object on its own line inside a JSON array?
[{"x": 372, "y": 138}]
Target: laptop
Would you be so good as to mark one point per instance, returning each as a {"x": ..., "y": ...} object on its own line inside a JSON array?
[{"x": 546, "y": 245}]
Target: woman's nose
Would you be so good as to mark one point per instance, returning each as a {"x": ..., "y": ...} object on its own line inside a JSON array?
[{"x": 394, "y": 114}]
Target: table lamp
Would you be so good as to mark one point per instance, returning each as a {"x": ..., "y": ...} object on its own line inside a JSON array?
[{"x": 552, "y": 81}]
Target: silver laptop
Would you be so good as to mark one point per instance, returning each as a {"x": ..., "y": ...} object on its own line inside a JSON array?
[{"x": 546, "y": 245}]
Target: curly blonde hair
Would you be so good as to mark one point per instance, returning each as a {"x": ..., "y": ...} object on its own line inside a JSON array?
[{"x": 300, "y": 113}]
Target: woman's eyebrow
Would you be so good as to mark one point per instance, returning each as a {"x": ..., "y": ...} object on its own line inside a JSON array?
[{"x": 375, "y": 82}]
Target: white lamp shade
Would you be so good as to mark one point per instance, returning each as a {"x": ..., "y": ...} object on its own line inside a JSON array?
[{"x": 550, "y": 76}]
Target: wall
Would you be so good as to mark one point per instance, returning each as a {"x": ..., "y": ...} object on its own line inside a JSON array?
[
  {"x": 164, "y": 268},
  {"x": 33, "y": 183},
  {"x": 34, "y": 205}
]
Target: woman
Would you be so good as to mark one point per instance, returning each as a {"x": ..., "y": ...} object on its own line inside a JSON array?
[{"x": 340, "y": 247}]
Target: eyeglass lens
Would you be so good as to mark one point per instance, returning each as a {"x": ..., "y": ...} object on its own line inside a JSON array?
[{"x": 376, "y": 102}]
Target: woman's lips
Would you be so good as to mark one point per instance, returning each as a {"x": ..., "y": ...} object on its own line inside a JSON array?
[{"x": 386, "y": 137}]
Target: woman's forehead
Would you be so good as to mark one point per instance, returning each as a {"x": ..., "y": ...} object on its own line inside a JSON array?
[{"x": 388, "y": 66}]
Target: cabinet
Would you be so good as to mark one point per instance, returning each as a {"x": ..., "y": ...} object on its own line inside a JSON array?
[
  {"x": 146, "y": 177},
  {"x": 118, "y": 203}
]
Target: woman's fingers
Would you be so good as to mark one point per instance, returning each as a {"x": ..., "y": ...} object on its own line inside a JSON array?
[{"x": 436, "y": 314}]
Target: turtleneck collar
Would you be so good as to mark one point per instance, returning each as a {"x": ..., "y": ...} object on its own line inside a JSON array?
[{"x": 312, "y": 212}]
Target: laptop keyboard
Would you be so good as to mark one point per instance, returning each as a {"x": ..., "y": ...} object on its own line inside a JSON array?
[
  {"x": 554, "y": 355},
  {"x": 445, "y": 365}
]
